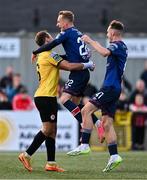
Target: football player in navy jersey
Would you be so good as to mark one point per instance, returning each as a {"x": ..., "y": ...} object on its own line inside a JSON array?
[
  {"x": 76, "y": 52},
  {"x": 108, "y": 95}
]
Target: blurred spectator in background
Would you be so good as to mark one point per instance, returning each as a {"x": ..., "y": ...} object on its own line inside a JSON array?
[
  {"x": 139, "y": 89},
  {"x": 89, "y": 91},
  {"x": 16, "y": 87},
  {"x": 22, "y": 101},
  {"x": 4, "y": 103},
  {"x": 122, "y": 104},
  {"x": 138, "y": 105},
  {"x": 143, "y": 75},
  {"x": 139, "y": 116},
  {"x": 6, "y": 81}
]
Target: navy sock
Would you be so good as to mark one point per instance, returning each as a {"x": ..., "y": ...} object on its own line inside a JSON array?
[
  {"x": 81, "y": 106},
  {"x": 94, "y": 118},
  {"x": 38, "y": 140},
  {"x": 112, "y": 149},
  {"x": 74, "y": 109},
  {"x": 50, "y": 146},
  {"x": 86, "y": 133}
]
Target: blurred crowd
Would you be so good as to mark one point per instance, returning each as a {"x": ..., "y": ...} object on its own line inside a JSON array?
[
  {"x": 14, "y": 96},
  {"x": 135, "y": 100}
]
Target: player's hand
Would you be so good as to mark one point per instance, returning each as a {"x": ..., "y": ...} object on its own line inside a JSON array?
[
  {"x": 89, "y": 65},
  {"x": 33, "y": 58},
  {"x": 92, "y": 66},
  {"x": 86, "y": 38}
]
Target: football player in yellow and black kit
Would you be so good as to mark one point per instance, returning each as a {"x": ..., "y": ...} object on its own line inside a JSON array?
[{"x": 48, "y": 64}]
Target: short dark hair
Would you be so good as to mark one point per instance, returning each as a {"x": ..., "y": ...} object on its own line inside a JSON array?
[
  {"x": 40, "y": 37},
  {"x": 67, "y": 15},
  {"x": 117, "y": 25},
  {"x": 17, "y": 75}
]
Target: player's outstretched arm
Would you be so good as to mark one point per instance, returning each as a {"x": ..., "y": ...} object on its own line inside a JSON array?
[
  {"x": 96, "y": 45},
  {"x": 65, "y": 65},
  {"x": 47, "y": 47}
]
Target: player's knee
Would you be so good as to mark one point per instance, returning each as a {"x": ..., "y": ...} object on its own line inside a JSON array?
[
  {"x": 48, "y": 132},
  {"x": 52, "y": 134},
  {"x": 76, "y": 100},
  {"x": 45, "y": 132},
  {"x": 63, "y": 99},
  {"x": 85, "y": 111},
  {"x": 107, "y": 123}
]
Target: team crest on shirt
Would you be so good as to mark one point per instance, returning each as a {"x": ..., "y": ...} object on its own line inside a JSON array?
[
  {"x": 56, "y": 56},
  {"x": 113, "y": 46},
  {"x": 52, "y": 117}
]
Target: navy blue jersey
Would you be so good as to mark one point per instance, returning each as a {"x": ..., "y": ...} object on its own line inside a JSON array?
[
  {"x": 76, "y": 50},
  {"x": 116, "y": 63}
]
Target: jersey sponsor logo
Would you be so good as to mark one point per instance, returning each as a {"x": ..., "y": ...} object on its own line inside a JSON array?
[{"x": 56, "y": 56}]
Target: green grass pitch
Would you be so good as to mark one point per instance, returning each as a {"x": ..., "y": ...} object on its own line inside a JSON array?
[{"x": 134, "y": 166}]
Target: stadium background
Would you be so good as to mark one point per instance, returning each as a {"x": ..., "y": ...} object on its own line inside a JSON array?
[
  {"x": 20, "y": 20},
  {"x": 17, "y": 19}
]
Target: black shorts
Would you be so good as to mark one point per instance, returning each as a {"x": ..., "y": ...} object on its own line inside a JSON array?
[
  {"x": 77, "y": 82},
  {"x": 106, "y": 99},
  {"x": 47, "y": 107}
]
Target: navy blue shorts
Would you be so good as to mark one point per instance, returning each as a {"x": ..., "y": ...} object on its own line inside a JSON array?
[
  {"x": 77, "y": 82},
  {"x": 106, "y": 99}
]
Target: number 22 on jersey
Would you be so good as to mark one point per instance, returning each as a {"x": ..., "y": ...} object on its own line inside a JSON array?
[{"x": 83, "y": 50}]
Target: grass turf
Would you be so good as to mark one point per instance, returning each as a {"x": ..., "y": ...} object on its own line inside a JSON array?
[{"x": 134, "y": 166}]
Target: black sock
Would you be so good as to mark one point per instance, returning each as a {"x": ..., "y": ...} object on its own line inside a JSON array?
[
  {"x": 112, "y": 149},
  {"x": 94, "y": 118},
  {"x": 74, "y": 109},
  {"x": 50, "y": 146},
  {"x": 86, "y": 133},
  {"x": 81, "y": 106},
  {"x": 38, "y": 140}
]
